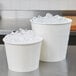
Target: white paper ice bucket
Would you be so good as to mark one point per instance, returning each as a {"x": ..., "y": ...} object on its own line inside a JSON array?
[
  {"x": 23, "y": 58},
  {"x": 55, "y": 43}
]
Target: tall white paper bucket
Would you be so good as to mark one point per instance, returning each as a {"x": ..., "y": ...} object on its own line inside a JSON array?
[{"x": 55, "y": 43}]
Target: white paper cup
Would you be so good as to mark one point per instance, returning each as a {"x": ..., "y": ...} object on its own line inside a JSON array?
[
  {"x": 56, "y": 36},
  {"x": 23, "y": 58}
]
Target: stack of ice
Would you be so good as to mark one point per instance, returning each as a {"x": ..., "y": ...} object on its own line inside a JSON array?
[
  {"x": 50, "y": 19},
  {"x": 22, "y": 37}
]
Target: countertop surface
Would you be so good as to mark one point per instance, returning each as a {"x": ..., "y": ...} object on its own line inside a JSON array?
[
  {"x": 9, "y": 25},
  {"x": 14, "y": 24},
  {"x": 66, "y": 67}
]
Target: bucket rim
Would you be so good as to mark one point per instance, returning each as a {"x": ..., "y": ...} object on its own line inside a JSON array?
[
  {"x": 69, "y": 21},
  {"x": 30, "y": 43}
]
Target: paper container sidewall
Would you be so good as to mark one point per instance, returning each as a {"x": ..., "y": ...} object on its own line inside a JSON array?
[
  {"x": 55, "y": 40},
  {"x": 23, "y": 58}
]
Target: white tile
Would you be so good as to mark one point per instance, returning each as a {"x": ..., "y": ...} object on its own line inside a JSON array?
[
  {"x": 8, "y": 14},
  {"x": 6, "y": 4},
  {"x": 24, "y": 14},
  {"x": 71, "y": 5}
]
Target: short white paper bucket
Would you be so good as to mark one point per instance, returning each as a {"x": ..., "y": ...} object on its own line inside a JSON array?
[{"x": 23, "y": 58}]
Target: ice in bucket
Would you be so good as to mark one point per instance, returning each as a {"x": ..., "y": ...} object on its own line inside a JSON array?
[
  {"x": 22, "y": 50},
  {"x": 55, "y": 31}
]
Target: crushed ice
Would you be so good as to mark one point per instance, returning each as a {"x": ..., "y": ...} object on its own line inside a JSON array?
[
  {"x": 22, "y": 37},
  {"x": 50, "y": 19}
]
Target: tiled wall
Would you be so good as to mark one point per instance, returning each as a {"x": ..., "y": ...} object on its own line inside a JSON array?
[
  {"x": 17, "y": 14},
  {"x": 34, "y": 4},
  {"x": 17, "y": 8}
]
